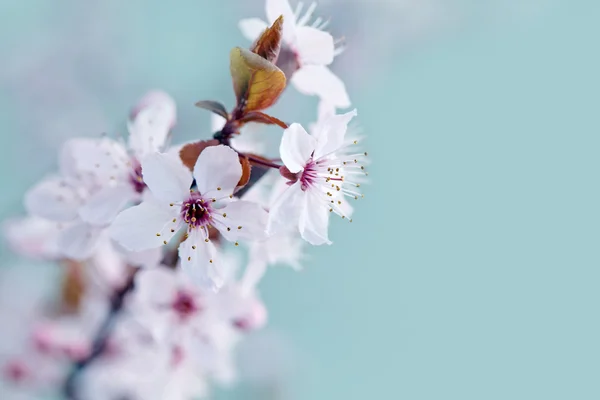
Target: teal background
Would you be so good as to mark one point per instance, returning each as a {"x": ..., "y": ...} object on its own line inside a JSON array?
[{"x": 471, "y": 268}]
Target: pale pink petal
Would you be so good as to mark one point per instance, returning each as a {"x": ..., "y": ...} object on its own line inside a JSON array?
[
  {"x": 275, "y": 8},
  {"x": 285, "y": 211},
  {"x": 53, "y": 199},
  {"x": 318, "y": 80},
  {"x": 252, "y": 27},
  {"x": 296, "y": 147},
  {"x": 102, "y": 208},
  {"x": 103, "y": 158},
  {"x": 145, "y": 226},
  {"x": 314, "y": 46},
  {"x": 33, "y": 237},
  {"x": 244, "y": 221},
  {"x": 314, "y": 221},
  {"x": 199, "y": 261},
  {"x": 79, "y": 241},
  {"x": 166, "y": 177},
  {"x": 217, "y": 171},
  {"x": 332, "y": 132},
  {"x": 156, "y": 287},
  {"x": 151, "y": 122},
  {"x": 217, "y": 122},
  {"x": 250, "y": 140}
]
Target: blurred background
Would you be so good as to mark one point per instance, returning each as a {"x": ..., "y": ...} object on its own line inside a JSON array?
[{"x": 471, "y": 269}]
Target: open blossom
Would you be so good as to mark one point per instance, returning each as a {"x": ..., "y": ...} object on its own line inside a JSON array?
[
  {"x": 98, "y": 178},
  {"x": 190, "y": 321},
  {"x": 116, "y": 167},
  {"x": 320, "y": 172},
  {"x": 157, "y": 220},
  {"x": 306, "y": 50}
]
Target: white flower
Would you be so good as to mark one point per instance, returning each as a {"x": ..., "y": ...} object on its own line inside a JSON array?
[
  {"x": 155, "y": 221},
  {"x": 117, "y": 168},
  {"x": 320, "y": 172},
  {"x": 99, "y": 177},
  {"x": 308, "y": 48},
  {"x": 199, "y": 325}
]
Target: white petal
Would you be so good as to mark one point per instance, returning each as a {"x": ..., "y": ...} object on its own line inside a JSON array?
[
  {"x": 103, "y": 207},
  {"x": 199, "y": 261},
  {"x": 53, "y": 199},
  {"x": 320, "y": 81},
  {"x": 285, "y": 211},
  {"x": 217, "y": 167},
  {"x": 152, "y": 121},
  {"x": 145, "y": 226},
  {"x": 33, "y": 237},
  {"x": 314, "y": 221},
  {"x": 252, "y": 27},
  {"x": 156, "y": 286},
  {"x": 216, "y": 122},
  {"x": 275, "y": 8},
  {"x": 296, "y": 147},
  {"x": 245, "y": 220},
  {"x": 79, "y": 241},
  {"x": 314, "y": 46},
  {"x": 332, "y": 133},
  {"x": 143, "y": 259},
  {"x": 166, "y": 177},
  {"x": 103, "y": 158},
  {"x": 250, "y": 140}
]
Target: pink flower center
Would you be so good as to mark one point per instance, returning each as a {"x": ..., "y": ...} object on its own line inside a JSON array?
[
  {"x": 309, "y": 176},
  {"x": 135, "y": 178},
  {"x": 185, "y": 305},
  {"x": 16, "y": 371},
  {"x": 196, "y": 211}
]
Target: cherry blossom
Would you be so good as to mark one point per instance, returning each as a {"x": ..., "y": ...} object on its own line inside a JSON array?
[
  {"x": 307, "y": 48},
  {"x": 156, "y": 221},
  {"x": 318, "y": 178}
]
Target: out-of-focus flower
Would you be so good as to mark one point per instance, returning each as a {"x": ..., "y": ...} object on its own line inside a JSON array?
[
  {"x": 34, "y": 237},
  {"x": 319, "y": 172},
  {"x": 306, "y": 51},
  {"x": 156, "y": 221}
]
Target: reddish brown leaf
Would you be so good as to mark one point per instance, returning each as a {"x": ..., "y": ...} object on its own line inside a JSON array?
[
  {"x": 190, "y": 152},
  {"x": 73, "y": 286},
  {"x": 246, "y": 171},
  {"x": 257, "y": 82},
  {"x": 268, "y": 44},
  {"x": 262, "y": 118}
]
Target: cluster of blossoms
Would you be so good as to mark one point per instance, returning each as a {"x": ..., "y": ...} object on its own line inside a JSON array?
[{"x": 153, "y": 298}]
